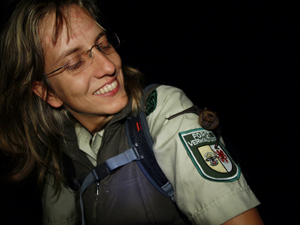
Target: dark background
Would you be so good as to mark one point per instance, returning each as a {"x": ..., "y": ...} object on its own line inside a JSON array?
[{"x": 235, "y": 57}]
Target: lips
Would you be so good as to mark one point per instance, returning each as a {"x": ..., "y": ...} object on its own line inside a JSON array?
[{"x": 107, "y": 88}]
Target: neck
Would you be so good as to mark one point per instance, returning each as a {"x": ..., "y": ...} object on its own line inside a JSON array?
[{"x": 93, "y": 124}]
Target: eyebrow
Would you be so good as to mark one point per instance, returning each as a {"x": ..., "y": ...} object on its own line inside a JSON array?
[
  {"x": 71, "y": 51},
  {"x": 76, "y": 49},
  {"x": 101, "y": 34}
]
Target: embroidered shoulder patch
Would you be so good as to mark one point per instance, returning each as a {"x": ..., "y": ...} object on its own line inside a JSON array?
[
  {"x": 212, "y": 162},
  {"x": 151, "y": 102}
]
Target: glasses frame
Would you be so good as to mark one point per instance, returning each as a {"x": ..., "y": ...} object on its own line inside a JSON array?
[{"x": 110, "y": 37}]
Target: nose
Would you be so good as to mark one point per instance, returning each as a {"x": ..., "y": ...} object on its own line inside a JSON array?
[{"x": 103, "y": 64}]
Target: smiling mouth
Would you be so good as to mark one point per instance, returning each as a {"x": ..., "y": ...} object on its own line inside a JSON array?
[{"x": 107, "y": 88}]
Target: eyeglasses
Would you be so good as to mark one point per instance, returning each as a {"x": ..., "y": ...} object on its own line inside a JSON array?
[{"x": 80, "y": 62}]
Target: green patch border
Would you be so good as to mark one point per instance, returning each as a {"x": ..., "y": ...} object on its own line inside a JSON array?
[
  {"x": 197, "y": 164},
  {"x": 151, "y": 102}
]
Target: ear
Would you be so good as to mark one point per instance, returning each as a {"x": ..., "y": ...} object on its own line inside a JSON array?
[{"x": 39, "y": 90}]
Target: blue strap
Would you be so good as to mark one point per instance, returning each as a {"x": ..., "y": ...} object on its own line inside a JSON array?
[
  {"x": 123, "y": 159},
  {"x": 149, "y": 166},
  {"x": 101, "y": 171}
]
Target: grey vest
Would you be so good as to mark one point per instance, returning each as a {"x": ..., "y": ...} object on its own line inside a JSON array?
[{"x": 125, "y": 197}]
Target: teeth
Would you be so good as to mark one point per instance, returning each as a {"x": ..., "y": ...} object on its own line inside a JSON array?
[{"x": 107, "y": 88}]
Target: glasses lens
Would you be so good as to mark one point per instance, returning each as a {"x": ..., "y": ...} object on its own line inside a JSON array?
[
  {"x": 110, "y": 44},
  {"x": 80, "y": 62},
  {"x": 114, "y": 40}
]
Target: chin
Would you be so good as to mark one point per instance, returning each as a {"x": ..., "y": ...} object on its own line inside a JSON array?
[{"x": 118, "y": 106}]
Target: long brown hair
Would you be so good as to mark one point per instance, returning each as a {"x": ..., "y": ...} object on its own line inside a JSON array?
[{"x": 30, "y": 128}]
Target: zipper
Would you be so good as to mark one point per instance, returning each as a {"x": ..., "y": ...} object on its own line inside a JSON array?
[{"x": 95, "y": 208}]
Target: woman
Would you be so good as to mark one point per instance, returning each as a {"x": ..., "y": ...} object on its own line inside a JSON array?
[{"x": 65, "y": 95}]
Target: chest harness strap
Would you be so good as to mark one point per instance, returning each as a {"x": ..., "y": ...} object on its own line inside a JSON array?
[
  {"x": 139, "y": 137},
  {"x": 101, "y": 171}
]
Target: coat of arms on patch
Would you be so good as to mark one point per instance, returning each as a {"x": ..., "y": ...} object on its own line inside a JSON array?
[{"x": 213, "y": 162}]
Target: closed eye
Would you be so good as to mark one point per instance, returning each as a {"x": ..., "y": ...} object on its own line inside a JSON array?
[{"x": 73, "y": 66}]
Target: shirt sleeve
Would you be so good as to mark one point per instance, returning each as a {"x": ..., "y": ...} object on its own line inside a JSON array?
[
  {"x": 58, "y": 209},
  {"x": 204, "y": 201}
]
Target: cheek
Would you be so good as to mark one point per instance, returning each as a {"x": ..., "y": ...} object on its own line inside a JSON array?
[
  {"x": 60, "y": 87},
  {"x": 119, "y": 62},
  {"x": 116, "y": 59}
]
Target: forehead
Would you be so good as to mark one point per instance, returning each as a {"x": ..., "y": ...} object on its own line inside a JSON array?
[{"x": 73, "y": 23}]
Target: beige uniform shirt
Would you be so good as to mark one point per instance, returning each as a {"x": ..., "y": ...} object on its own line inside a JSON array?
[{"x": 202, "y": 200}]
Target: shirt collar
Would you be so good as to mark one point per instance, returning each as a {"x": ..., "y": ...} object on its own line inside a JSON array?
[{"x": 87, "y": 142}]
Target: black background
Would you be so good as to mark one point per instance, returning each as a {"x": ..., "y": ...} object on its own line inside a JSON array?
[{"x": 239, "y": 58}]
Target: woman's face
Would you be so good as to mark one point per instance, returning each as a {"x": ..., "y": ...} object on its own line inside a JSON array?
[{"x": 97, "y": 91}]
